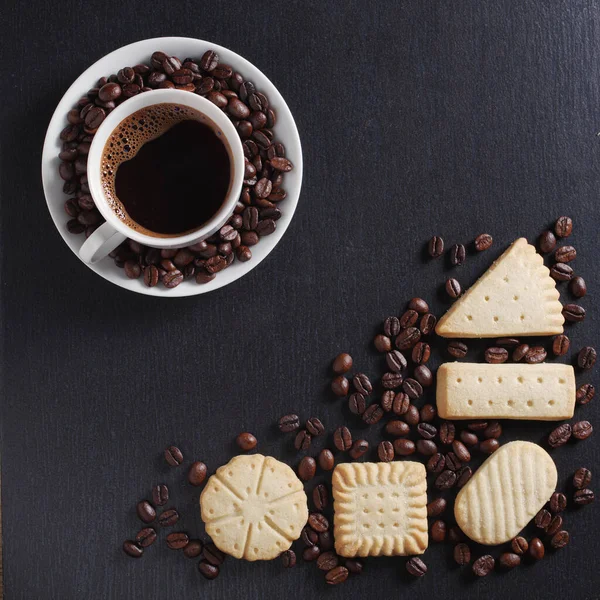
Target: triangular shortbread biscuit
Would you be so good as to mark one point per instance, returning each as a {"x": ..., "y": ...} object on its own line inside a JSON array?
[{"x": 515, "y": 296}]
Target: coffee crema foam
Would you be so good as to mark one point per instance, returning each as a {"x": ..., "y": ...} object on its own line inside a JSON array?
[{"x": 127, "y": 139}]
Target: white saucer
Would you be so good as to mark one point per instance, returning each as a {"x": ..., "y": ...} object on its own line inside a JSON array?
[{"x": 140, "y": 52}]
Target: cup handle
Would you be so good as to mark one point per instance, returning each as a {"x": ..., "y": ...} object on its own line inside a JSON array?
[{"x": 101, "y": 243}]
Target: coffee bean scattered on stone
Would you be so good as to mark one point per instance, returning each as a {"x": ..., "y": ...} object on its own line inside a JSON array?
[
  {"x": 326, "y": 459},
  {"x": 197, "y": 473},
  {"x": 416, "y": 567},
  {"x": 457, "y": 254},
  {"x": 578, "y": 287},
  {"x": 289, "y": 423},
  {"x": 342, "y": 363},
  {"x": 547, "y": 242},
  {"x": 484, "y": 565},
  {"x": 173, "y": 456},
  {"x": 560, "y": 345},
  {"x": 160, "y": 494},
  {"x": 132, "y": 549},
  {"x": 483, "y": 241},
  {"x": 581, "y": 478},
  {"x": 462, "y": 554},
  {"x": 536, "y": 549},
  {"x": 436, "y": 246},
  {"x": 563, "y": 227},
  {"x": 246, "y": 441}
]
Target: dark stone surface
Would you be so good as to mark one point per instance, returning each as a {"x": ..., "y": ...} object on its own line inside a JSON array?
[{"x": 417, "y": 118}]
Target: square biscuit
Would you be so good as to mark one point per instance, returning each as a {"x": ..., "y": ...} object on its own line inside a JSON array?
[
  {"x": 542, "y": 392},
  {"x": 380, "y": 509}
]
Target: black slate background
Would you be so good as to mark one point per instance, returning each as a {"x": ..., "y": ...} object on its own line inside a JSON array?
[{"x": 417, "y": 118}]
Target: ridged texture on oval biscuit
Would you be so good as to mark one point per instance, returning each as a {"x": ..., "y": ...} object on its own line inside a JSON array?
[
  {"x": 254, "y": 507},
  {"x": 515, "y": 296},
  {"x": 380, "y": 509},
  {"x": 505, "y": 493}
]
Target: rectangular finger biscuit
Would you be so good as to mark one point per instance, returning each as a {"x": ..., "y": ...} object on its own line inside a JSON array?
[
  {"x": 542, "y": 392},
  {"x": 380, "y": 509}
]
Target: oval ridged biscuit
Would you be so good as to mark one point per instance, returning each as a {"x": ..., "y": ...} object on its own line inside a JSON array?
[{"x": 505, "y": 493}]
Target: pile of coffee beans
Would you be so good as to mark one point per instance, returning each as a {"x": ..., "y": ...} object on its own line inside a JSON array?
[{"x": 257, "y": 211}]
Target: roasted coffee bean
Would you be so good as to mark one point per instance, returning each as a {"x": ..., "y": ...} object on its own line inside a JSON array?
[
  {"x": 246, "y": 441},
  {"x": 423, "y": 375},
  {"x": 560, "y": 436},
  {"x": 419, "y": 305},
  {"x": 509, "y": 560},
  {"x": 401, "y": 404},
  {"x": 66, "y": 170},
  {"x": 436, "y": 463},
  {"x": 583, "y": 497},
  {"x": 289, "y": 423},
  {"x": 132, "y": 269},
  {"x": 357, "y": 403},
  {"x": 145, "y": 537},
  {"x": 326, "y": 459},
  {"x": 462, "y": 554},
  {"x": 372, "y": 414},
  {"x": 484, "y": 565},
  {"x": 447, "y": 432},
  {"x": 404, "y": 447},
  {"x": 453, "y": 288},
  {"x": 160, "y": 494},
  {"x": 145, "y": 511},
  {"x": 542, "y": 519},
  {"x": 455, "y": 535},
  {"x": 421, "y": 353},
  {"x": 438, "y": 531},
  {"x": 177, "y": 540},
  {"x": 213, "y": 555},
  {"x": 197, "y": 473},
  {"x": 563, "y": 227},
  {"x": 463, "y": 475},
  {"x": 519, "y": 545},
  {"x": 427, "y": 413},
  {"x": 342, "y": 439},
  {"x": 520, "y": 352},
  {"x": 558, "y": 502},
  {"x": 581, "y": 479},
  {"x": 288, "y": 559},
  {"x": 207, "y": 570},
  {"x": 457, "y": 349},
  {"x": 435, "y": 246},
  {"x": 391, "y": 381},
  {"x": 585, "y": 393},
  {"x": 336, "y": 576},
  {"x": 561, "y": 272},
  {"x": 317, "y": 522},
  {"x": 461, "y": 451},
  {"x": 535, "y": 354},
  {"x": 173, "y": 456},
  {"x": 327, "y": 561},
  {"x": 409, "y": 319},
  {"x": 457, "y": 254},
  {"x": 340, "y": 386},
  {"x": 560, "y": 345},
  {"x": 578, "y": 287},
  {"x": 445, "y": 480},
  {"x": 94, "y": 117},
  {"x": 483, "y": 241},
  {"x": 477, "y": 425},
  {"x": 507, "y": 342},
  {"x": 395, "y": 361},
  {"x": 582, "y": 430},
  {"x": 493, "y": 430},
  {"x": 412, "y": 388},
  {"x": 309, "y": 536},
  {"x": 168, "y": 518},
  {"x": 362, "y": 384},
  {"x": 452, "y": 462},
  {"x": 427, "y": 323},
  {"x": 359, "y": 448},
  {"x": 109, "y": 92},
  {"x": 407, "y": 338},
  {"x": 391, "y": 326},
  {"x": 385, "y": 451},
  {"x": 387, "y": 400},
  {"x": 565, "y": 254},
  {"x": 496, "y": 356},
  {"x": 307, "y": 468},
  {"x": 311, "y": 553},
  {"x": 436, "y": 507},
  {"x": 342, "y": 363},
  {"x": 193, "y": 549},
  {"x": 382, "y": 343},
  {"x": 554, "y": 525},
  {"x": 315, "y": 427},
  {"x": 320, "y": 497},
  {"x": 426, "y": 431},
  {"x": 560, "y": 539},
  {"x": 412, "y": 415},
  {"x": 354, "y": 566},
  {"x": 536, "y": 549},
  {"x": 416, "y": 567},
  {"x": 302, "y": 440},
  {"x": 172, "y": 279},
  {"x": 586, "y": 358},
  {"x": 546, "y": 242},
  {"x": 489, "y": 446},
  {"x": 397, "y": 428},
  {"x": 132, "y": 549}
]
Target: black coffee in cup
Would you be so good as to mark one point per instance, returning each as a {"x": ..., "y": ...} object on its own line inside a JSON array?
[{"x": 166, "y": 170}]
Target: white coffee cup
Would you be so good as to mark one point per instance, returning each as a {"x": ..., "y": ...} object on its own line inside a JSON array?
[{"x": 115, "y": 231}]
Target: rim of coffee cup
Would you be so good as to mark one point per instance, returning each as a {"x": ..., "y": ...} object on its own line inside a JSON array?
[{"x": 167, "y": 96}]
